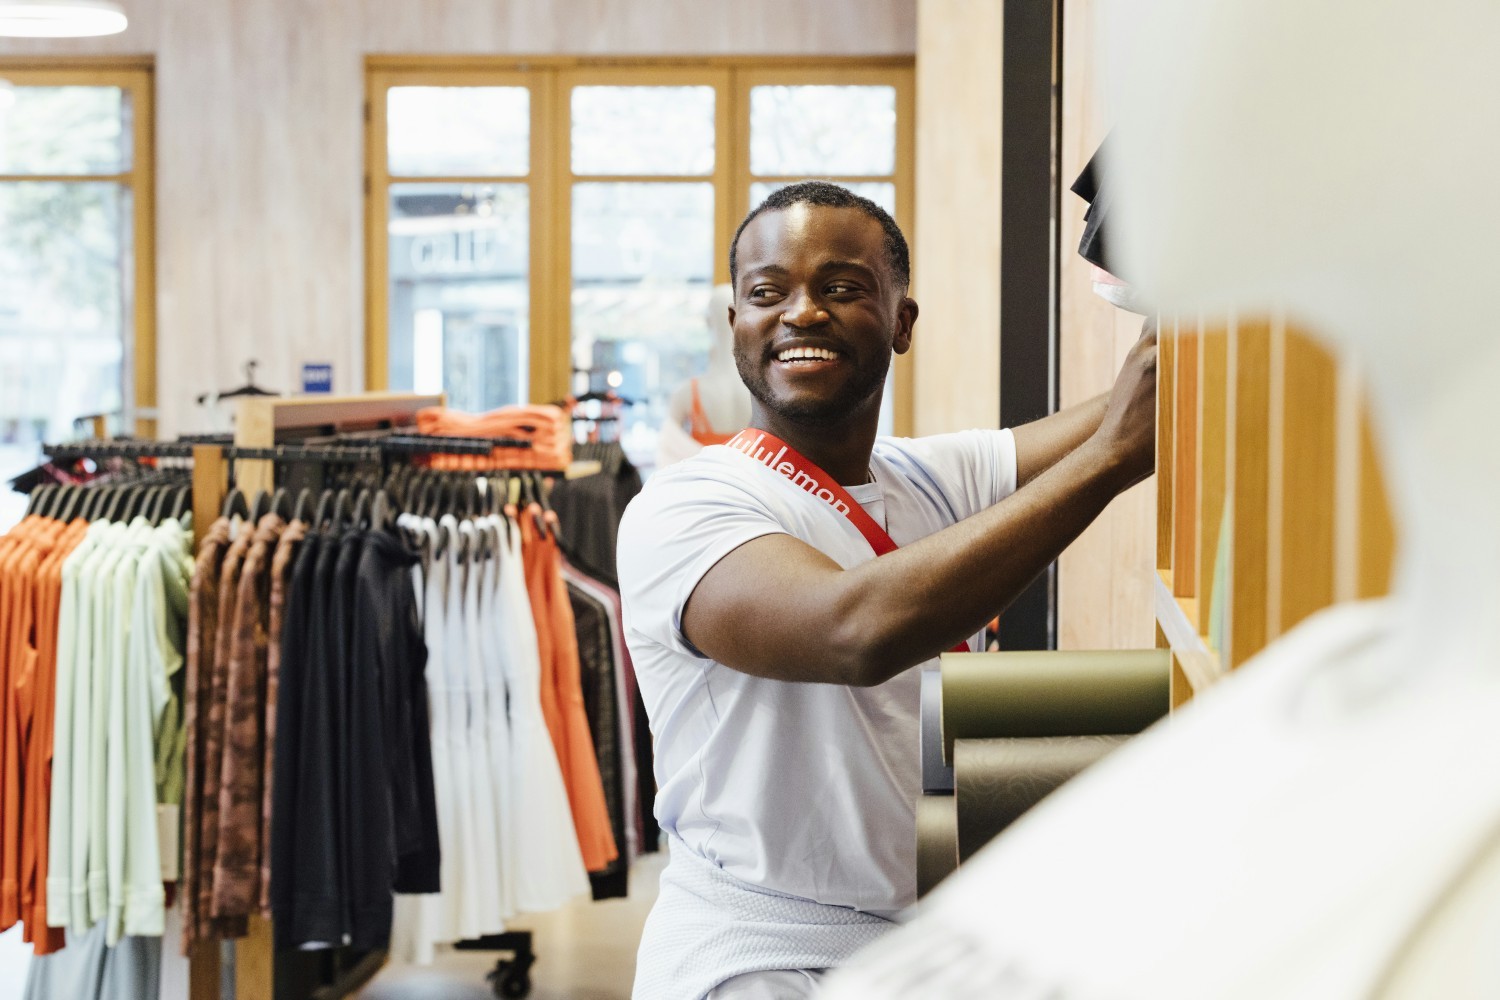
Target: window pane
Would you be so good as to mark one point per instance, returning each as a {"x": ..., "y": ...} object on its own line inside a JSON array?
[
  {"x": 881, "y": 193},
  {"x": 642, "y": 273},
  {"x": 822, "y": 130},
  {"x": 643, "y": 130},
  {"x": 62, "y": 300},
  {"x": 62, "y": 130},
  {"x": 464, "y": 131},
  {"x": 459, "y": 294}
]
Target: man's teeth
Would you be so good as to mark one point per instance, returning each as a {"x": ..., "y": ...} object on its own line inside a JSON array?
[{"x": 806, "y": 354}]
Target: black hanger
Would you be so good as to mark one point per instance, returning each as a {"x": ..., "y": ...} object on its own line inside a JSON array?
[
  {"x": 99, "y": 502},
  {"x": 303, "y": 506},
  {"x": 423, "y": 489},
  {"x": 80, "y": 502},
  {"x": 281, "y": 504},
  {"x": 325, "y": 510},
  {"x": 135, "y": 502},
  {"x": 261, "y": 507},
  {"x": 248, "y": 389},
  {"x": 539, "y": 488},
  {"x": 88, "y": 502},
  {"x": 64, "y": 502},
  {"x": 234, "y": 503},
  {"x": 151, "y": 506},
  {"x": 342, "y": 505},
  {"x": 40, "y": 500},
  {"x": 112, "y": 508},
  {"x": 381, "y": 516},
  {"x": 361, "y": 516},
  {"x": 167, "y": 495},
  {"x": 183, "y": 502}
]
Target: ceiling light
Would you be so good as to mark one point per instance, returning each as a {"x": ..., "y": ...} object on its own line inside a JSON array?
[{"x": 60, "y": 18}]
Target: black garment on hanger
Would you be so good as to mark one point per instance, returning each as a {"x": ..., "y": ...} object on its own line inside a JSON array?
[
  {"x": 314, "y": 891},
  {"x": 596, "y": 661},
  {"x": 589, "y": 509},
  {"x": 1093, "y": 187},
  {"x": 297, "y": 629},
  {"x": 339, "y": 666},
  {"x": 393, "y": 835}
]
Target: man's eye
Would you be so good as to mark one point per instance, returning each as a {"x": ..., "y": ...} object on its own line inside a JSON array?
[
  {"x": 841, "y": 288},
  {"x": 762, "y": 293}
]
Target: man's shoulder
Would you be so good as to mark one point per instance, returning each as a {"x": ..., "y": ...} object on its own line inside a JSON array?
[{"x": 712, "y": 471}]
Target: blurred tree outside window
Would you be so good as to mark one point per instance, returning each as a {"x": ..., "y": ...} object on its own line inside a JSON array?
[{"x": 69, "y": 221}]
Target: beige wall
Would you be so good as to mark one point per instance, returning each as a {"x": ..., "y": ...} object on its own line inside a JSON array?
[
  {"x": 1104, "y": 582},
  {"x": 260, "y": 145},
  {"x": 956, "y": 257}
]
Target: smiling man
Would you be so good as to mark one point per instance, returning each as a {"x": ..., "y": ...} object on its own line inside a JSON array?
[{"x": 776, "y": 655}]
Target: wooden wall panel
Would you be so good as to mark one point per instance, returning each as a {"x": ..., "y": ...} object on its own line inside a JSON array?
[
  {"x": 1281, "y": 433},
  {"x": 1250, "y": 346},
  {"x": 956, "y": 257},
  {"x": 1185, "y": 461},
  {"x": 1104, "y": 583},
  {"x": 260, "y": 129},
  {"x": 1213, "y": 403},
  {"x": 1377, "y": 526},
  {"x": 1307, "y": 447}
]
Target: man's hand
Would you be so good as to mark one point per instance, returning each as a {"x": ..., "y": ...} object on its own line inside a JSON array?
[
  {"x": 1128, "y": 430},
  {"x": 1117, "y": 424}
]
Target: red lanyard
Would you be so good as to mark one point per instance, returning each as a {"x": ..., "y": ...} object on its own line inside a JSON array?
[{"x": 778, "y": 456}]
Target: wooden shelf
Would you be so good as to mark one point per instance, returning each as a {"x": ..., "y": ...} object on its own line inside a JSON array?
[{"x": 1177, "y": 618}]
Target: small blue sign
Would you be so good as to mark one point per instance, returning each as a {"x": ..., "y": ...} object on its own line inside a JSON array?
[{"x": 317, "y": 378}]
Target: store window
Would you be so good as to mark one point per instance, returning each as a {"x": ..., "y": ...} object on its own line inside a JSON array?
[
  {"x": 556, "y": 230},
  {"x": 76, "y": 337}
]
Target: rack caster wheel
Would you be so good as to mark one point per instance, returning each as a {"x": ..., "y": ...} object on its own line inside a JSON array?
[{"x": 511, "y": 980}]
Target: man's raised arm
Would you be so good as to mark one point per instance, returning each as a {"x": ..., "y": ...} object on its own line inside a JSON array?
[{"x": 776, "y": 607}]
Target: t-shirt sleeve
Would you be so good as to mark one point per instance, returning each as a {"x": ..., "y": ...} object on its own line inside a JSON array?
[
  {"x": 672, "y": 534},
  {"x": 973, "y": 469}
]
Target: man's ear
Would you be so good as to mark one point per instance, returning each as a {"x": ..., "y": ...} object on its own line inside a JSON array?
[
  {"x": 906, "y": 321},
  {"x": 731, "y": 317}
]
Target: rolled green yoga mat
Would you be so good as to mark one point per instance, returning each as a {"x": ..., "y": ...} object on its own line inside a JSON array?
[
  {"x": 1046, "y": 693},
  {"x": 937, "y": 841},
  {"x": 995, "y": 781}
]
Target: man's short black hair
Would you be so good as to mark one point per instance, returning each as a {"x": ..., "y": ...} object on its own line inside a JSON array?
[{"x": 832, "y": 196}]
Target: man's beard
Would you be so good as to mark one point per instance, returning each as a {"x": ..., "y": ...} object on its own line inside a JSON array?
[{"x": 867, "y": 380}]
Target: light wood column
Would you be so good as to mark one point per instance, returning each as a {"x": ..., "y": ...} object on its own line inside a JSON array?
[{"x": 956, "y": 257}]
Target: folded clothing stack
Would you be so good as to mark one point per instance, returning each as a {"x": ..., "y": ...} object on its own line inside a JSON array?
[{"x": 548, "y": 428}]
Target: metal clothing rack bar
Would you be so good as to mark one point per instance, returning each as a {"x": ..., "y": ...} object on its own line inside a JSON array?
[
  {"x": 98, "y": 448},
  {"x": 437, "y": 444},
  {"x": 301, "y": 453}
]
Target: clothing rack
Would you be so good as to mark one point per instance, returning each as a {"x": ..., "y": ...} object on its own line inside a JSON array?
[
  {"x": 275, "y": 432},
  {"x": 264, "y": 430}
]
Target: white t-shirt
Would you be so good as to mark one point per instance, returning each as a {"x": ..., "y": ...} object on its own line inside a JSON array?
[{"x": 808, "y": 790}]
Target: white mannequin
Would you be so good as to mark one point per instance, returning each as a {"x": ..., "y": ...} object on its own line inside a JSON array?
[
  {"x": 725, "y": 400},
  {"x": 1326, "y": 823}
]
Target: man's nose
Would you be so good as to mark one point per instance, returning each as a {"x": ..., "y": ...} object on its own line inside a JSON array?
[{"x": 802, "y": 311}]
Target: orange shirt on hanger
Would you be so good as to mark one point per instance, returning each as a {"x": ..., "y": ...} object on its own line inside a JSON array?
[
  {"x": 562, "y": 691},
  {"x": 36, "y": 810}
]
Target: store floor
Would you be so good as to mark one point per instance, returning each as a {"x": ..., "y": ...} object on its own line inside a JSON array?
[{"x": 585, "y": 951}]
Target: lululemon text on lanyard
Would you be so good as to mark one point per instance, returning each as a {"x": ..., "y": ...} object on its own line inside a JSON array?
[{"x": 780, "y": 457}]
